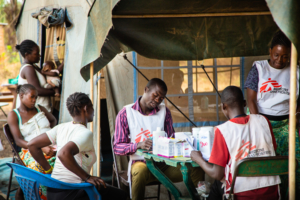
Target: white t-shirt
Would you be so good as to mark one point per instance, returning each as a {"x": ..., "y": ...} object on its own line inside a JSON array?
[{"x": 83, "y": 138}]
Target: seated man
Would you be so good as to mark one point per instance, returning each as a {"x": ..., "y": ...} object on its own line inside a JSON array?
[
  {"x": 240, "y": 137},
  {"x": 134, "y": 124}
]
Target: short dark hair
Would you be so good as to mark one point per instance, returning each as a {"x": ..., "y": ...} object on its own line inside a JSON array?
[
  {"x": 280, "y": 38},
  {"x": 26, "y": 47},
  {"x": 233, "y": 96},
  {"x": 160, "y": 83},
  {"x": 23, "y": 89},
  {"x": 77, "y": 101}
]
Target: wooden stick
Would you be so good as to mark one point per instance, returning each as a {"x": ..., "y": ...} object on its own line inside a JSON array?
[
  {"x": 193, "y": 15},
  {"x": 292, "y": 125},
  {"x": 92, "y": 97},
  {"x": 99, "y": 126}
]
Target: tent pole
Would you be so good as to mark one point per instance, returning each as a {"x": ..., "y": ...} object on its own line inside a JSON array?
[
  {"x": 98, "y": 124},
  {"x": 193, "y": 15},
  {"x": 292, "y": 125},
  {"x": 92, "y": 97}
]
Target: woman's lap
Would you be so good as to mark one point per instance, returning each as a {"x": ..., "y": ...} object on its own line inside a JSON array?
[
  {"x": 32, "y": 164},
  {"x": 108, "y": 193},
  {"x": 281, "y": 134}
]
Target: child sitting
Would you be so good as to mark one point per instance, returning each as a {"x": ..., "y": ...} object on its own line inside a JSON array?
[
  {"x": 238, "y": 138},
  {"x": 52, "y": 74}
]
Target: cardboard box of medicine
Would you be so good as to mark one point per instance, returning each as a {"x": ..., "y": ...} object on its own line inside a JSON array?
[
  {"x": 178, "y": 150},
  {"x": 206, "y": 139},
  {"x": 165, "y": 147},
  {"x": 187, "y": 149}
]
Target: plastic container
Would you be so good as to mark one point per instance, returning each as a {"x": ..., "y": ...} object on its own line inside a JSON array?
[
  {"x": 196, "y": 136},
  {"x": 204, "y": 103},
  {"x": 156, "y": 135}
]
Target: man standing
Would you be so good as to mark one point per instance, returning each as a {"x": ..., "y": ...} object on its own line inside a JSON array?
[{"x": 134, "y": 125}]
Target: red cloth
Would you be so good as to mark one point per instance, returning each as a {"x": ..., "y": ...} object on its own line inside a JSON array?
[{"x": 221, "y": 156}]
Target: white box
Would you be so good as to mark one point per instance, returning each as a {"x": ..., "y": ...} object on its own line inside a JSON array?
[
  {"x": 165, "y": 147},
  {"x": 178, "y": 150},
  {"x": 206, "y": 139},
  {"x": 187, "y": 149}
]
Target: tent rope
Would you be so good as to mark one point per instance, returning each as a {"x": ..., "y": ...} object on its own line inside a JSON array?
[
  {"x": 210, "y": 80},
  {"x": 125, "y": 57}
]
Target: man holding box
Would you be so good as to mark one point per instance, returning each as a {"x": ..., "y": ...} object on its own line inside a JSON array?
[
  {"x": 241, "y": 137},
  {"x": 134, "y": 126}
]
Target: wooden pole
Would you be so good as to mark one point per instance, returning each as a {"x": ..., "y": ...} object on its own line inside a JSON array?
[
  {"x": 193, "y": 15},
  {"x": 92, "y": 97},
  {"x": 292, "y": 125},
  {"x": 99, "y": 126}
]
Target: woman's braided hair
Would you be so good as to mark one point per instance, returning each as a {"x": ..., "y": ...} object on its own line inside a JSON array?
[
  {"x": 77, "y": 101},
  {"x": 23, "y": 89},
  {"x": 26, "y": 47},
  {"x": 280, "y": 38}
]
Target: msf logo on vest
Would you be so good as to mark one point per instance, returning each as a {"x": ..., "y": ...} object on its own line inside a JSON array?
[
  {"x": 244, "y": 150},
  {"x": 269, "y": 86},
  {"x": 143, "y": 135}
]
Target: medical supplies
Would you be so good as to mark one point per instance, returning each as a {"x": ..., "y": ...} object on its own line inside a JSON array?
[
  {"x": 165, "y": 147},
  {"x": 156, "y": 135},
  {"x": 206, "y": 138}
]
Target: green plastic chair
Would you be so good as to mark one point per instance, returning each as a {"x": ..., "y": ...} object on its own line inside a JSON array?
[{"x": 262, "y": 166}]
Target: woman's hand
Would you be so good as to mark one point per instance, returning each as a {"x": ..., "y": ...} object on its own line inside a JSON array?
[
  {"x": 96, "y": 181},
  {"x": 49, "y": 151}
]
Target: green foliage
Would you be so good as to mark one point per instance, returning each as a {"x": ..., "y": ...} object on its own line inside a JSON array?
[
  {"x": 2, "y": 13},
  {"x": 13, "y": 56}
]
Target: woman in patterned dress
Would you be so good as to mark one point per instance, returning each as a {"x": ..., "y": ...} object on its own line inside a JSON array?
[{"x": 28, "y": 121}]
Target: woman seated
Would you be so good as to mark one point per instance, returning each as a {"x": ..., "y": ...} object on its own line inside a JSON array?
[
  {"x": 28, "y": 121},
  {"x": 75, "y": 152}
]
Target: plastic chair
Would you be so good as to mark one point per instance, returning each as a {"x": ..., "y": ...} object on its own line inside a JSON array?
[
  {"x": 122, "y": 176},
  {"x": 262, "y": 166},
  {"x": 30, "y": 181},
  {"x": 16, "y": 158},
  {"x": 1, "y": 105}
]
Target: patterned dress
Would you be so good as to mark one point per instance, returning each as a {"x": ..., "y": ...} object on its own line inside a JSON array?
[{"x": 37, "y": 125}]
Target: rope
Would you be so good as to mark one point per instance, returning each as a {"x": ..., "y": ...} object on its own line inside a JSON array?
[{"x": 125, "y": 57}]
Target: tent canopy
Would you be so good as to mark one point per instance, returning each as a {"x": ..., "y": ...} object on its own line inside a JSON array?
[{"x": 189, "y": 30}]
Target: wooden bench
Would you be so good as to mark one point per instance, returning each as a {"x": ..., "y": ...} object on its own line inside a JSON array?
[{"x": 7, "y": 98}]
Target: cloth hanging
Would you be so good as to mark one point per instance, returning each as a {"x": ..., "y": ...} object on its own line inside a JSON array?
[{"x": 51, "y": 17}]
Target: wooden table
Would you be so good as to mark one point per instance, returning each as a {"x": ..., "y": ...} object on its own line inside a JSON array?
[
  {"x": 12, "y": 88},
  {"x": 186, "y": 167}
]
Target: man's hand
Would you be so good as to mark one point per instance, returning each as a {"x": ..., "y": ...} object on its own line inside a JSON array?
[
  {"x": 48, "y": 150},
  {"x": 196, "y": 155},
  {"x": 147, "y": 144},
  {"x": 96, "y": 181}
]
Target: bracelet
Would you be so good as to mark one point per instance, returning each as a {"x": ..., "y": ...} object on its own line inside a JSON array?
[
  {"x": 49, "y": 170},
  {"x": 87, "y": 178}
]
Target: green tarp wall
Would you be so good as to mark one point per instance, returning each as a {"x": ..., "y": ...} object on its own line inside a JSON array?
[{"x": 193, "y": 38}]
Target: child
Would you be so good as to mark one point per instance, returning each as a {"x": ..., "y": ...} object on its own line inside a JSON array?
[
  {"x": 53, "y": 79},
  {"x": 241, "y": 136}
]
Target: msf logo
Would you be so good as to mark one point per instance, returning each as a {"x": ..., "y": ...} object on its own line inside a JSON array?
[
  {"x": 268, "y": 86},
  {"x": 244, "y": 150},
  {"x": 143, "y": 135}
]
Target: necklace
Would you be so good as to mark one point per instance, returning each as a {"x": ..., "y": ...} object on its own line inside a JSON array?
[{"x": 82, "y": 123}]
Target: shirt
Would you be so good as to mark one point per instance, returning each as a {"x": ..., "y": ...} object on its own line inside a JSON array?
[
  {"x": 122, "y": 143},
  {"x": 253, "y": 78},
  {"x": 221, "y": 156},
  {"x": 83, "y": 138}
]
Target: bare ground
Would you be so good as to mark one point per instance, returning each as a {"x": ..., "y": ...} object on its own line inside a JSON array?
[{"x": 7, "y": 152}]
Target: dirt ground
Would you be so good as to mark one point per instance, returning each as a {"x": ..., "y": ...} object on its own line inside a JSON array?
[{"x": 7, "y": 152}]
